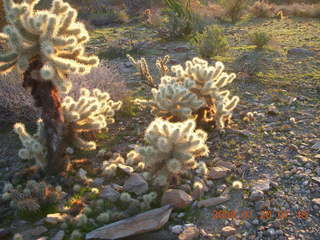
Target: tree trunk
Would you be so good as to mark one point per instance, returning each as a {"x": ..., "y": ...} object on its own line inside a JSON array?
[{"x": 46, "y": 97}]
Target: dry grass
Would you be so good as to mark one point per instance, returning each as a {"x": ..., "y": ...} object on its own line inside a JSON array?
[
  {"x": 262, "y": 9},
  {"x": 300, "y": 10}
]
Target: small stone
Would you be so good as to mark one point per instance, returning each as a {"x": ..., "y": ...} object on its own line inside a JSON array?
[
  {"x": 255, "y": 222},
  {"x": 177, "y": 229},
  {"x": 98, "y": 182},
  {"x": 58, "y": 236},
  {"x": 218, "y": 172},
  {"x": 189, "y": 233},
  {"x": 316, "y": 201},
  {"x": 221, "y": 188},
  {"x": 256, "y": 195},
  {"x": 176, "y": 198},
  {"x": 261, "y": 205},
  {"x": 301, "y": 52},
  {"x": 181, "y": 215},
  {"x": 55, "y": 218},
  {"x": 136, "y": 184},
  {"x": 226, "y": 164},
  {"x": 228, "y": 231},
  {"x": 34, "y": 232},
  {"x": 213, "y": 201},
  {"x": 110, "y": 194},
  {"x": 262, "y": 185},
  {"x": 271, "y": 232}
]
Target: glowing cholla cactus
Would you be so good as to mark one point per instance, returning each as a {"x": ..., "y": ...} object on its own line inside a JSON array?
[
  {"x": 91, "y": 112},
  {"x": 172, "y": 148},
  {"x": 174, "y": 98},
  {"x": 34, "y": 146},
  {"x": 53, "y": 36},
  {"x": 200, "y": 80}
]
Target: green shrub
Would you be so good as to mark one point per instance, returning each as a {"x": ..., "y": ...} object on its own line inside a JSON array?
[
  {"x": 234, "y": 9},
  {"x": 181, "y": 20},
  {"x": 259, "y": 39},
  {"x": 211, "y": 42}
]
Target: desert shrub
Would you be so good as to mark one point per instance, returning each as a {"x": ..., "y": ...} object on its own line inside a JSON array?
[
  {"x": 105, "y": 77},
  {"x": 181, "y": 20},
  {"x": 234, "y": 9},
  {"x": 301, "y": 10},
  {"x": 262, "y": 9},
  {"x": 211, "y": 42},
  {"x": 16, "y": 104},
  {"x": 259, "y": 39},
  {"x": 135, "y": 7}
]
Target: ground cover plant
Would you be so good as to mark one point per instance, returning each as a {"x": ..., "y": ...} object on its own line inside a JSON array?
[{"x": 114, "y": 131}]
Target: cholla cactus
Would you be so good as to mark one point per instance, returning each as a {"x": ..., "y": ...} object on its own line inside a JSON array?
[
  {"x": 206, "y": 82},
  {"x": 172, "y": 148},
  {"x": 91, "y": 112},
  {"x": 33, "y": 146},
  {"x": 162, "y": 66},
  {"x": 143, "y": 68},
  {"x": 34, "y": 196},
  {"x": 52, "y": 35},
  {"x": 110, "y": 167},
  {"x": 172, "y": 98}
]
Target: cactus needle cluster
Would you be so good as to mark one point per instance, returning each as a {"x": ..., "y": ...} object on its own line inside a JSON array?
[
  {"x": 33, "y": 145},
  {"x": 91, "y": 112},
  {"x": 193, "y": 87},
  {"x": 171, "y": 150},
  {"x": 53, "y": 36}
]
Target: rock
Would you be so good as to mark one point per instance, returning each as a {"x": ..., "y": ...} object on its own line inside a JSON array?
[
  {"x": 34, "y": 232},
  {"x": 256, "y": 195},
  {"x": 218, "y": 172},
  {"x": 262, "y": 205},
  {"x": 144, "y": 222},
  {"x": 110, "y": 194},
  {"x": 55, "y": 218},
  {"x": 226, "y": 164},
  {"x": 189, "y": 233},
  {"x": 125, "y": 168},
  {"x": 213, "y": 201},
  {"x": 98, "y": 182},
  {"x": 228, "y": 231},
  {"x": 301, "y": 52},
  {"x": 261, "y": 185},
  {"x": 271, "y": 232},
  {"x": 316, "y": 201},
  {"x": 42, "y": 238},
  {"x": 177, "y": 198},
  {"x": 58, "y": 236},
  {"x": 177, "y": 229},
  {"x": 136, "y": 184}
]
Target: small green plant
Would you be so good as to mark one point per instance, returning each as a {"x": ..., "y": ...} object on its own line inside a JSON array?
[
  {"x": 260, "y": 39},
  {"x": 211, "y": 42},
  {"x": 181, "y": 20},
  {"x": 234, "y": 9}
]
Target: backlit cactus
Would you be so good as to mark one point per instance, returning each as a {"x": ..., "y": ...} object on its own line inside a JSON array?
[
  {"x": 171, "y": 150},
  {"x": 52, "y": 35},
  {"x": 93, "y": 111},
  {"x": 33, "y": 146},
  {"x": 194, "y": 87}
]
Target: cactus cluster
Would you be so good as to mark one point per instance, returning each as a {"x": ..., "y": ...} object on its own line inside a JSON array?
[
  {"x": 110, "y": 167},
  {"x": 93, "y": 111},
  {"x": 33, "y": 196},
  {"x": 171, "y": 150},
  {"x": 33, "y": 145},
  {"x": 53, "y": 36},
  {"x": 196, "y": 86}
]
